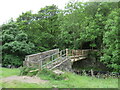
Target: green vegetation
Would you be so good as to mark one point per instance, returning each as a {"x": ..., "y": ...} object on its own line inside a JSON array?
[
  {"x": 45, "y": 74},
  {"x": 9, "y": 72},
  {"x": 15, "y": 45},
  {"x": 17, "y": 84},
  {"x": 71, "y": 81},
  {"x": 90, "y": 25}
]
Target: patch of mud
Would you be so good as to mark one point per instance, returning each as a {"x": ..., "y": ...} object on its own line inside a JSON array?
[{"x": 26, "y": 79}]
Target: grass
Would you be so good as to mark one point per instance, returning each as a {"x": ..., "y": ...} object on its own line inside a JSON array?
[
  {"x": 72, "y": 81},
  {"x": 17, "y": 84},
  {"x": 5, "y": 72}
]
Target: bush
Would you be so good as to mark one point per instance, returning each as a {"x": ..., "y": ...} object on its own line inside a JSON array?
[
  {"x": 51, "y": 75},
  {"x": 15, "y": 45},
  {"x": 26, "y": 71},
  {"x": 12, "y": 60}
]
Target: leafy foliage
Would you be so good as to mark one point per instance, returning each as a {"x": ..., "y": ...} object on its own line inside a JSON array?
[
  {"x": 15, "y": 45},
  {"x": 11, "y": 60},
  {"x": 111, "y": 54},
  {"x": 44, "y": 72},
  {"x": 90, "y": 25},
  {"x": 41, "y": 28}
]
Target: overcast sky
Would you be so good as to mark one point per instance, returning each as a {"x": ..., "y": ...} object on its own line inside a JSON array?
[{"x": 13, "y": 8}]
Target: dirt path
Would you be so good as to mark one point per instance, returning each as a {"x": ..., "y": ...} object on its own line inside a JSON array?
[{"x": 26, "y": 79}]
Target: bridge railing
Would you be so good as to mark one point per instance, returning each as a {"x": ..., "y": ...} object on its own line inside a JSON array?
[
  {"x": 83, "y": 52},
  {"x": 44, "y": 59},
  {"x": 76, "y": 55},
  {"x": 61, "y": 55},
  {"x": 34, "y": 58}
]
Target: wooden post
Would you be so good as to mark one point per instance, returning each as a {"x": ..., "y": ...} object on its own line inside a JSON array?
[
  {"x": 72, "y": 52},
  {"x": 75, "y": 52},
  {"x": 24, "y": 62},
  {"x": 60, "y": 53},
  {"x": 74, "y": 55},
  {"x": 28, "y": 61},
  {"x": 84, "y": 73},
  {"x": 92, "y": 74},
  {"x": 52, "y": 57},
  {"x": 82, "y": 52},
  {"x": 66, "y": 52},
  {"x": 40, "y": 65}
]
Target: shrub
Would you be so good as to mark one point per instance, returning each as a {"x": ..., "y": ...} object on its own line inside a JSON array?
[
  {"x": 15, "y": 45},
  {"x": 12, "y": 60},
  {"x": 51, "y": 75},
  {"x": 46, "y": 73},
  {"x": 26, "y": 71}
]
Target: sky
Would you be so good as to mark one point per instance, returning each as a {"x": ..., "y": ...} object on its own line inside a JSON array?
[{"x": 13, "y": 8}]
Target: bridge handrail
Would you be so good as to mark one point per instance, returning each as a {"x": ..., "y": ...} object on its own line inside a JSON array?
[
  {"x": 54, "y": 59},
  {"x": 51, "y": 61},
  {"x": 68, "y": 58},
  {"x": 51, "y": 55},
  {"x": 50, "y": 58},
  {"x": 40, "y": 53}
]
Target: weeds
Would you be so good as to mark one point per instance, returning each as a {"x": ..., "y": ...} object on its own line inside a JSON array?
[{"x": 44, "y": 72}]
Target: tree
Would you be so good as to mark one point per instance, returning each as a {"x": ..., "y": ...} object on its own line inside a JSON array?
[
  {"x": 111, "y": 56},
  {"x": 70, "y": 25},
  {"x": 41, "y": 28},
  {"x": 15, "y": 45}
]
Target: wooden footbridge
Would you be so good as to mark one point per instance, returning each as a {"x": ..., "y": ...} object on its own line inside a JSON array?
[{"x": 54, "y": 58}]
